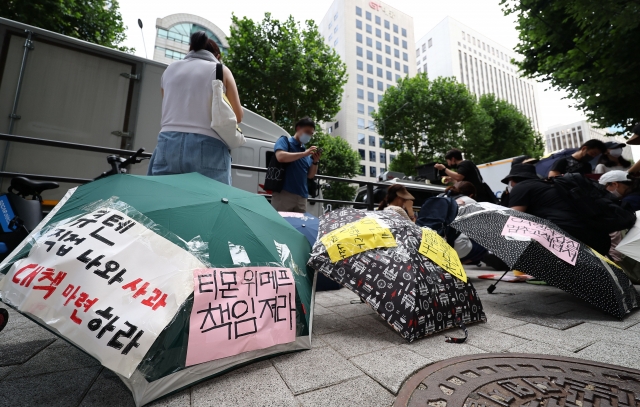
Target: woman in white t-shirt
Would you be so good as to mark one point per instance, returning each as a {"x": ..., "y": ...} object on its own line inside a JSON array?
[
  {"x": 612, "y": 159},
  {"x": 397, "y": 200},
  {"x": 186, "y": 142}
]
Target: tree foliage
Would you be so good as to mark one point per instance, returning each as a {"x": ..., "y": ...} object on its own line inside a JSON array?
[
  {"x": 589, "y": 48},
  {"x": 285, "y": 72},
  {"x": 405, "y": 162},
  {"x": 499, "y": 130},
  {"x": 338, "y": 160},
  {"x": 424, "y": 117},
  {"x": 96, "y": 21}
]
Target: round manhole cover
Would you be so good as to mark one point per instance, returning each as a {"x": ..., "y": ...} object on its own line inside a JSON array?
[{"x": 521, "y": 380}]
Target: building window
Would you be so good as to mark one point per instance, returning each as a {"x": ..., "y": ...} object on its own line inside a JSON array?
[
  {"x": 335, "y": 30},
  {"x": 387, "y": 49},
  {"x": 335, "y": 17},
  {"x": 367, "y": 15},
  {"x": 392, "y": 157},
  {"x": 424, "y": 68},
  {"x": 388, "y": 62},
  {"x": 370, "y": 68},
  {"x": 405, "y": 69},
  {"x": 418, "y": 70},
  {"x": 379, "y": 98},
  {"x": 369, "y": 55},
  {"x": 360, "y": 93},
  {"x": 424, "y": 47},
  {"x": 369, "y": 42},
  {"x": 404, "y": 44},
  {"x": 335, "y": 43},
  {"x": 337, "y": 125},
  {"x": 397, "y": 65},
  {"x": 330, "y": 24},
  {"x": 370, "y": 83},
  {"x": 405, "y": 56},
  {"x": 360, "y": 123},
  {"x": 361, "y": 138},
  {"x": 378, "y": 45},
  {"x": 380, "y": 86},
  {"x": 389, "y": 75},
  {"x": 330, "y": 129},
  {"x": 378, "y": 33},
  {"x": 397, "y": 77},
  {"x": 381, "y": 142},
  {"x": 362, "y": 153},
  {"x": 396, "y": 40},
  {"x": 168, "y": 53},
  {"x": 389, "y": 86},
  {"x": 370, "y": 110},
  {"x": 359, "y": 38},
  {"x": 430, "y": 42},
  {"x": 359, "y": 65},
  {"x": 395, "y": 28},
  {"x": 360, "y": 108},
  {"x": 383, "y": 156},
  {"x": 379, "y": 58},
  {"x": 378, "y": 20},
  {"x": 386, "y": 24},
  {"x": 368, "y": 28},
  {"x": 182, "y": 32},
  {"x": 418, "y": 53},
  {"x": 387, "y": 37},
  {"x": 359, "y": 24},
  {"x": 379, "y": 72},
  {"x": 360, "y": 79},
  {"x": 363, "y": 170},
  {"x": 372, "y": 171},
  {"x": 372, "y": 156},
  {"x": 358, "y": 11},
  {"x": 396, "y": 52},
  {"x": 370, "y": 96},
  {"x": 359, "y": 51}
]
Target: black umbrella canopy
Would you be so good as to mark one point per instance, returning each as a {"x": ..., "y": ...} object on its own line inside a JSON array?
[
  {"x": 412, "y": 293},
  {"x": 540, "y": 248}
]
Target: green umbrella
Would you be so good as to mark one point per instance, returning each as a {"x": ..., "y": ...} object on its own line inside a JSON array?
[{"x": 192, "y": 205}]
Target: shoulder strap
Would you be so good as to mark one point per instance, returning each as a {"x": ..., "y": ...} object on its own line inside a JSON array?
[{"x": 219, "y": 72}]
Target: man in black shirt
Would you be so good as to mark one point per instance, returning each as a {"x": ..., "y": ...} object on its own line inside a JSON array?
[
  {"x": 578, "y": 162},
  {"x": 466, "y": 171},
  {"x": 540, "y": 198}
]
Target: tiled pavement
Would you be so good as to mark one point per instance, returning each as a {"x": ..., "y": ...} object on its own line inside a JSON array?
[{"x": 356, "y": 360}]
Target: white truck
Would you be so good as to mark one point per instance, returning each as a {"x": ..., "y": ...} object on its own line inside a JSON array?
[
  {"x": 60, "y": 88},
  {"x": 494, "y": 172}
]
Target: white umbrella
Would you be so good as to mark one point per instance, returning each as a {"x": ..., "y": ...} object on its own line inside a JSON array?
[{"x": 630, "y": 245}]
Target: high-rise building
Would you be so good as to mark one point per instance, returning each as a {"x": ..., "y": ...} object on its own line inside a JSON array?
[
  {"x": 375, "y": 41},
  {"x": 174, "y": 31},
  {"x": 573, "y": 135},
  {"x": 453, "y": 49}
]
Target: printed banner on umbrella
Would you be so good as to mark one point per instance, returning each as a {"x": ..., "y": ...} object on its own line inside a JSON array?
[
  {"x": 557, "y": 243},
  {"x": 237, "y": 310},
  {"x": 105, "y": 282},
  {"x": 436, "y": 249},
  {"x": 357, "y": 237}
]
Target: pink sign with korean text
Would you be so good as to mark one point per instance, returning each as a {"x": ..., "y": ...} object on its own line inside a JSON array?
[
  {"x": 238, "y": 310},
  {"x": 557, "y": 243}
]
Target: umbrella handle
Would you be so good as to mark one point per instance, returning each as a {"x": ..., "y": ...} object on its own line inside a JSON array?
[{"x": 462, "y": 326}]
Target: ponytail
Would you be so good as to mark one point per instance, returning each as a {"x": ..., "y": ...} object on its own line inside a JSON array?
[
  {"x": 198, "y": 41},
  {"x": 383, "y": 204}
]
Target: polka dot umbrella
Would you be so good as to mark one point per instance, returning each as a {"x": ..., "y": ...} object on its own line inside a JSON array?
[
  {"x": 539, "y": 248},
  {"x": 410, "y": 291}
]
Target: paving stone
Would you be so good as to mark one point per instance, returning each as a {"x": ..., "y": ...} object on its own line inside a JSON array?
[
  {"x": 353, "y": 310},
  {"x": 501, "y": 298},
  {"x": 324, "y": 324},
  {"x": 320, "y": 310},
  {"x": 5, "y": 370},
  {"x": 541, "y": 348},
  {"x": 500, "y": 323},
  {"x": 361, "y": 392},
  {"x": 317, "y": 342},
  {"x": 330, "y": 300},
  {"x": 537, "y": 307},
  {"x": 358, "y": 341},
  {"x": 602, "y": 351},
  {"x": 182, "y": 399},
  {"x": 435, "y": 348},
  {"x": 18, "y": 345},
  {"x": 562, "y": 321},
  {"x": 492, "y": 341},
  {"x": 555, "y": 337},
  {"x": 346, "y": 293},
  {"x": 108, "y": 391},
  {"x": 314, "y": 369},
  {"x": 52, "y": 389},
  {"x": 258, "y": 384},
  {"x": 373, "y": 323},
  {"x": 603, "y": 319},
  {"x": 597, "y": 332},
  {"x": 17, "y": 320},
  {"x": 390, "y": 367},
  {"x": 55, "y": 359}
]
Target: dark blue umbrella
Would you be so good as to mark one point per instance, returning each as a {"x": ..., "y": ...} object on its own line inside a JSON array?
[
  {"x": 544, "y": 165},
  {"x": 308, "y": 225}
]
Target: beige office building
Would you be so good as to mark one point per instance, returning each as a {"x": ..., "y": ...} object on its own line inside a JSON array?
[
  {"x": 376, "y": 42},
  {"x": 573, "y": 135}
]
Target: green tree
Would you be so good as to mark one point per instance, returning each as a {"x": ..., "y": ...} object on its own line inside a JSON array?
[
  {"x": 285, "y": 72},
  {"x": 338, "y": 160},
  {"x": 96, "y": 21},
  {"x": 589, "y": 48},
  {"x": 405, "y": 162},
  {"x": 424, "y": 118},
  {"x": 499, "y": 130}
]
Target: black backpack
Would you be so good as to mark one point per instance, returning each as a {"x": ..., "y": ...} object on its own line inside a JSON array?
[
  {"x": 437, "y": 213},
  {"x": 597, "y": 206},
  {"x": 274, "y": 180}
]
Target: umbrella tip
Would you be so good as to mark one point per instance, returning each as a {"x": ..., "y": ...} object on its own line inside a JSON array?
[
  {"x": 225, "y": 200},
  {"x": 303, "y": 225}
]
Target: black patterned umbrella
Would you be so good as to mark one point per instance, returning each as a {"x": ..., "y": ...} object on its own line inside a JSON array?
[
  {"x": 540, "y": 248},
  {"x": 411, "y": 292}
]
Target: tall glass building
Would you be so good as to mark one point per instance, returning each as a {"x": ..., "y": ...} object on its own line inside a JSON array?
[
  {"x": 173, "y": 33},
  {"x": 376, "y": 41}
]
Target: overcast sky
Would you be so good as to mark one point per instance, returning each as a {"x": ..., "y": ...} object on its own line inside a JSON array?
[{"x": 485, "y": 16}]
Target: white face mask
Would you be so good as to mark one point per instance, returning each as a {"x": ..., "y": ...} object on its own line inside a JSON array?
[
  {"x": 616, "y": 193},
  {"x": 509, "y": 188},
  {"x": 616, "y": 152}
]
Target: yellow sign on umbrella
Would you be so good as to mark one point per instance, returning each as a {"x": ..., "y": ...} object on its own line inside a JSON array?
[
  {"x": 357, "y": 237},
  {"x": 440, "y": 252}
]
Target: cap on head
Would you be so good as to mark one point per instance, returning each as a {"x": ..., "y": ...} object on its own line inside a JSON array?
[
  {"x": 614, "y": 176},
  {"x": 614, "y": 144}
]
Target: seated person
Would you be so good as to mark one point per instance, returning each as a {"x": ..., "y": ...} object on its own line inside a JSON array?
[
  {"x": 612, "y": 159},
  {"x": 396, "y": 200},
  {"x": 463, "y": 192},
  {"x": 624, "y": 188},
  {"x": 540, "y": 198},
  {"x": 578, "y": 162}
]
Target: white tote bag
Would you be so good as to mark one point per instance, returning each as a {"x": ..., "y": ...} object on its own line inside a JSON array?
[{"x": 223, "y": 119}]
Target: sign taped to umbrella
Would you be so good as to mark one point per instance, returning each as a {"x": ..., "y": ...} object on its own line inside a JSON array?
[
  {"x": 238, "y": 310},
  {"x": 109, "y": 280},
  {"x": 557, "y": 243},
  {"x": 436, "y": 249},
  {"x": 357, "y": 237}
]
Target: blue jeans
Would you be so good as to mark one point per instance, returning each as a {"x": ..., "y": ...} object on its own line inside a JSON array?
[{"x": 180, "y": 153}]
